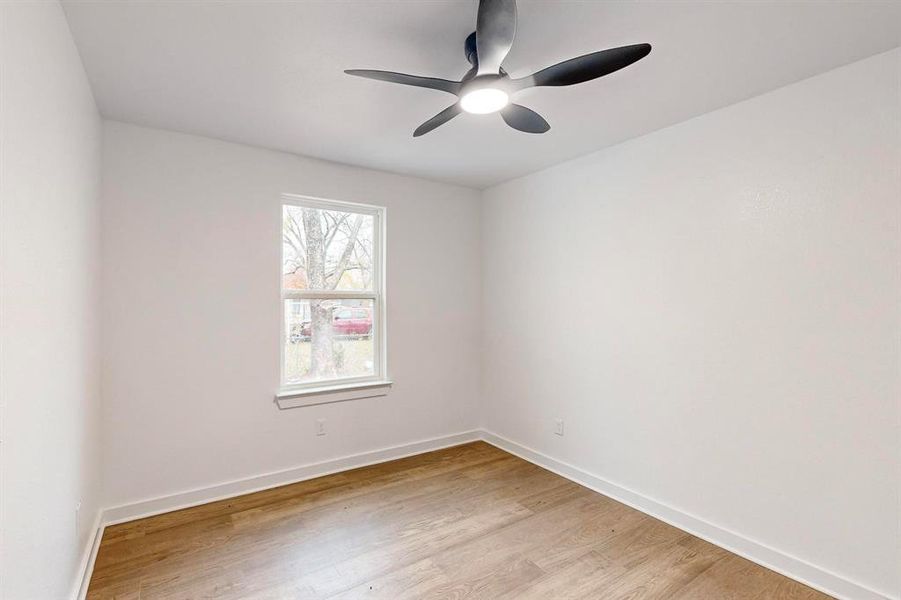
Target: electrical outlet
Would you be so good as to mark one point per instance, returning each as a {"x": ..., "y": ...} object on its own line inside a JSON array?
[
  {"x": 320, "y": 426},
  {"x": 558, "y": 426}
]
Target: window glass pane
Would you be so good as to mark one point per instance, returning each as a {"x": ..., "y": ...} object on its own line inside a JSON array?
[
  {"x": 326, "y": 249},
  {"x": 328, "y": 339}
]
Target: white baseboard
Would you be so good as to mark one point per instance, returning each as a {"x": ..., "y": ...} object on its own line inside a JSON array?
[
  {"x": 88, "y": 556},
  {"x": 790, "y": 566}
]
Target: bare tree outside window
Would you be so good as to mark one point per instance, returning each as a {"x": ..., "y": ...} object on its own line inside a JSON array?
[{"x": 326, "y": 253}]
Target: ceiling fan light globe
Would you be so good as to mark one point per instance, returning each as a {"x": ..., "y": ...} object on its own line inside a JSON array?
[{"x": 484, "y": 101}]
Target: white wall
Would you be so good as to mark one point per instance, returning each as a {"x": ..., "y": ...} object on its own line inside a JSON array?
[
  {"x": 191, "y": 251},
  {"x": 49, "y": 265},
  {"x": 713, "y": 309}
]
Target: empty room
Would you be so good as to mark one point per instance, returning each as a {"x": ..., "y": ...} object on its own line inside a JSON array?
[{"x": 450, "y": 299}]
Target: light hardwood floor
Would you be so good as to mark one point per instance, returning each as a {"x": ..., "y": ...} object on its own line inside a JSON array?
[{"x": 466, "y": 522}]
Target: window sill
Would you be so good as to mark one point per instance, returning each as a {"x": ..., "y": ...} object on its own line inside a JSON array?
[{"x": 331, "y": 393}]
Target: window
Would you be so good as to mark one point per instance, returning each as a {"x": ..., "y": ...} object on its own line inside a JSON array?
[{"x": 333, "y": 332}]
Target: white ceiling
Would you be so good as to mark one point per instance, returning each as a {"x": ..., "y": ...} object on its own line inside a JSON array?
[{"x": 270, "y": 73}]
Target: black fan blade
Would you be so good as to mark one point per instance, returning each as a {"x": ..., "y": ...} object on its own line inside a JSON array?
[
  {"x": 495, "y": 29},
  {"x": 524, "y": 119},
  {"x": 451, "y": 87},
  {"x": 438, "y": 120},
  {"x": 585, "y": 68}
]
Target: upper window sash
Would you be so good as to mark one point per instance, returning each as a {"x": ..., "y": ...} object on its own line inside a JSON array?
[{"x": 357, "y": 221}]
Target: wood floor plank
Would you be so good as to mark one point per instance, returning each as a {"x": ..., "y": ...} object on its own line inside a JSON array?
[
  {"x": 578, "y": 578},
  {"x": 378, "y": 561},
  {"x": 735, "y": 578},
  {"x": 411, "y": 582},
  {"x": 664, "y": 571},
  {"x": 465, "y": 522}
]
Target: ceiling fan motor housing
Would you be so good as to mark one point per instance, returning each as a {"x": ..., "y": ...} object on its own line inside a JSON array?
[
  {"x": 472, "y": 55},
  {"x": 469, "y": 46}
]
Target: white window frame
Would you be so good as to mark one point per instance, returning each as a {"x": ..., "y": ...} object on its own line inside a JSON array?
[{"x": 345, "y": 388}]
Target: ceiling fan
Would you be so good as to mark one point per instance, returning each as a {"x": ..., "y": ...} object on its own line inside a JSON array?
[{"x": 486, "y": 87}]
